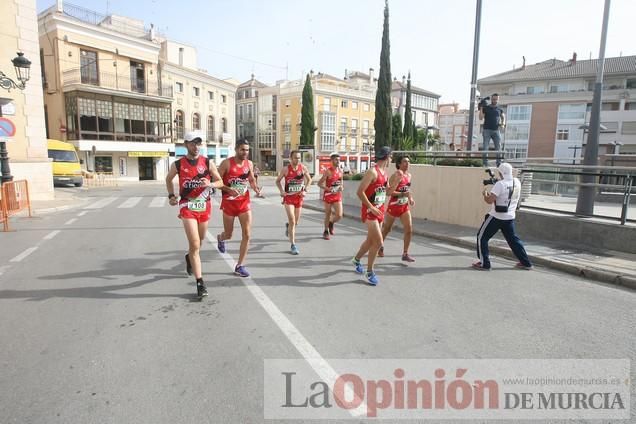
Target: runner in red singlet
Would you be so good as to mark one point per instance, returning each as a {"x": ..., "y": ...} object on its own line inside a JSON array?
[
  {"x": 372, "y": 194},
  {"x": 400, "y": 201},
  {"x": 197, "y": 177},
  {"x": 238, "y": 176},
  {"x": 297, "y": 181},
  {"x": 331, "y": 183}
]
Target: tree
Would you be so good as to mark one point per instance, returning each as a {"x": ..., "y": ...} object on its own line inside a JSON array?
[
  {"x": 307, "y": 124},
  {"x": 396, "y": 135},
  {"x": 383, "y": 109},
  {"x": 408, "y": 113}
]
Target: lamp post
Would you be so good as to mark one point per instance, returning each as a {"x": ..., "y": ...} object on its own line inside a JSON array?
[{"x": 22, "y": 67}]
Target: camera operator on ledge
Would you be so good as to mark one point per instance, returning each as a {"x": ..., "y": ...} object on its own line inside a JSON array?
[
  {"x": 504, "y": 198},
  {"x": 494, "y": 117}
]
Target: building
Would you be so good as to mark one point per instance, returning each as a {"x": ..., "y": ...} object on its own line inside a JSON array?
[
  {"x": 246, "y": 116},
  {"x": 547, "y": 104},
  {"x": 344, "y": 113},
  {"x": 103, "y": 92},
  {"x": 27, "y": 150},
  {"x": 424, "y": 104},
  {"x": 453, "y": 126},
  {"x": 200, "y": 103}
]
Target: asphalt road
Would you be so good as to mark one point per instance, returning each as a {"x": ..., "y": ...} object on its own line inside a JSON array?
[{"x": 99, "y": 321}]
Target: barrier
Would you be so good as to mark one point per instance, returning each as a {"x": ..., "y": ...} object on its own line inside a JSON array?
[
  {"x": 100, "y": 179},
  {"x": 15, "y": 199}
]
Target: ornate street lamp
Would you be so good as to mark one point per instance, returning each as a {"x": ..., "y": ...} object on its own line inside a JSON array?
[{"x": 22, "y": 70}]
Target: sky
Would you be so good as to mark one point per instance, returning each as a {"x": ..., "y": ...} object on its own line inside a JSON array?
[{"x": 433, "y": 39}]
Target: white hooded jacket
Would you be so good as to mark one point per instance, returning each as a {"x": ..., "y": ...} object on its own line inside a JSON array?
[{"x": 502, "y": 190}]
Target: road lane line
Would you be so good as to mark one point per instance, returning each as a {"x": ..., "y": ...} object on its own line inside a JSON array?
[
  {"x": 101, "y": 203},
  {"x": 82, "y": 213},
  {"x": 309, "y": 353},
  {"x": 24, "y": 254},
  {"x": 4, "y": 268},
  {"x": 158, "y": 202},
  {"x": 130, "y": 203},
  {"x": 52, "y": 234},
  {"x": 70, "y": 221}
]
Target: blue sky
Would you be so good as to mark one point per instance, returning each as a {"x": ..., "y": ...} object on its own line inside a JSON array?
[{"x": 433, "y": 39}]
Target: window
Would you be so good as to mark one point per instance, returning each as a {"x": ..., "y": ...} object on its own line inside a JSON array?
[
  {"x": 210, "y": 95},
  {"x": 247, "y": 94},
  {"x": 343, "y": 125},
  {"x": 240, "y": 113},
  {"x": 88, "y": 67},
  {"x": 103, "y": 164},
  {"x": 179, "y": 124},
  {"x": 629, "y": 127},
  {"x": 354, "y": 127},
  {"x": 344, "y": 104},
  {"x": 196, "y": 121},
  {"x": 558, "y": 88},
  {"x": 365, "y": 128},
  {"x": 569, "y": 133},
  {"x": 250, "y": 112},
  {"x": 179, "y": 86},
  {"x": 326, "y": 104},
  {"x": 572, "y": 112},
  {"x": 631, "y": 84},
  {"x": 534, "y": 90},
  {"x": 516, "y": 151},
  {"x": 630, "y": 105},
  {"x": 223, "y": 98},
  {"x": 610, "y": 106},
  {"x": 354, "y": 105},
  {"x": 518, "y": 112},
  {"x": 328, "y": 131},
  {"x": 562, "y": 133},
  {"x": 211, "y": 134},
  {"x": 137, "y": 77},
  {"x": 195, "y": 91},
  {"x": 224, "y": 124},
  {"x": 517, "y": 132},
  {"x": 366, "y": 107}
]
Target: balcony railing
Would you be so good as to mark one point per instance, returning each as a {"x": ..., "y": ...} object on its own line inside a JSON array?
[{"x": 112, "y": 81}]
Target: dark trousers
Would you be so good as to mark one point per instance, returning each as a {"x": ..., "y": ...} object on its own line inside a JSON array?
[{"x": 488, "y": 229}]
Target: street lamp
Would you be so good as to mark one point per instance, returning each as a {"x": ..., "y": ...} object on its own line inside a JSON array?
[{"x": 22, "y": 67}]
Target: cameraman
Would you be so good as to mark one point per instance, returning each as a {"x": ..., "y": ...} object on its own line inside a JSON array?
[
  {"x": 504, "y": 198},
  {"x": 494, "y": 117}
]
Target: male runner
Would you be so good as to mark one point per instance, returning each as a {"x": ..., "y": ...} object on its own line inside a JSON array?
[
  {"x": 400, "y": 200},
  {"x": 297, "y": 180},
  {"x": 372, "y": 194},
  {"x": 197, "y": 176},
  {"x": 238, "y": 174},
  {"x": 331, "y": 183}
]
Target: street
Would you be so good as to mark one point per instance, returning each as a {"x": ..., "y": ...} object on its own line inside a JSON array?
[{"x": 100, "y": 323}]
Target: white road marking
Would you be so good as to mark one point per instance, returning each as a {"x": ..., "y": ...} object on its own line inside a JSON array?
[
  {"x": 4, "y": 268},
  {"x": 70, "y": 221},
  {"x": 450, "y": 247},
  {"x": 82, "y": 213},
  {"x": 158, "y": 202},
  {"x": 52, "y": 234},
  {"x": 101, "y": 203},
  {"x": 24, "y": 254},
  {"x": 130, "y": 203},
  {"x": 309, "y": 353}
]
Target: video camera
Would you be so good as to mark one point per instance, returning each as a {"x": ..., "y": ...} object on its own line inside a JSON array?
[
  {"x": 492, "y": 180},
  {"x": 483, "y": 102}
]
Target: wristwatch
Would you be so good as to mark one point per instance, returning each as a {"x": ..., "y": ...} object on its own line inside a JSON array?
[{"x": 171, "y": 195}]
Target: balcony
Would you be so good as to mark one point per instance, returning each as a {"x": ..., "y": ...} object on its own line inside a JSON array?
[
  {"x": 353, "y": 132},
  {"x": 110, "y": 81},
  {"x": 286, "y": 128}
]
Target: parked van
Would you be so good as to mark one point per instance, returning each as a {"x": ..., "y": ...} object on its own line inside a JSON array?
[{"x": 66, "y": 164}]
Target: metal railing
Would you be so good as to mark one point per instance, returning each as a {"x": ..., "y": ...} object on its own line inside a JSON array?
[
  {"x": 14, "y": 198},
  {"x": 117, "y": 82}
]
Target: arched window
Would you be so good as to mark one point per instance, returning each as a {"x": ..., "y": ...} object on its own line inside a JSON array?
[
  {"x": 224, "y": 124},
  {"x": 196, "y": 121},
  {"x": 211, "y": 134},
  {"x": 178, "y": 123}
]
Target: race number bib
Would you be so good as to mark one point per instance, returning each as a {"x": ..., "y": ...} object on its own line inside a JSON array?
[
  {"x": 335, "y": 188},
  {"x": 294, "y": 188},
  {"x": 241, "y": 188},
  {"x": 380, "y": 196},
  {"x": 402, "y": 200},
  {"x": 197, "y": 205}
]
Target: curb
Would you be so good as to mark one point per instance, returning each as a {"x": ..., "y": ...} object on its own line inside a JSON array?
[
  {"x": 589, "y": 273},
  {"x": 45, "y": 211}
]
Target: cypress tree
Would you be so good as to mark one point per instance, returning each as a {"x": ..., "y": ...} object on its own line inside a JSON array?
[
  {"x": 408, "y": 114},
  {"x": 307, "y": 123},
  {"x": 383, "y": 108},
  {"x": 396, "y": 135}
]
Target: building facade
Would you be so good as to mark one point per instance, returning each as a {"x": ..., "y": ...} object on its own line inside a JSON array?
[
  {"x": 103, "y": 93},
  {"x": 424, "y": 104},
  {"x": 27, "y": 150},
  {"x": 246, "y": 117},
  {"x": 200, "y": 103},
  {"x": 547, "y": 104}
]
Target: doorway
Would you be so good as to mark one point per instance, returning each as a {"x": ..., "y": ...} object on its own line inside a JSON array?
[{"x": 146, "y": 169}]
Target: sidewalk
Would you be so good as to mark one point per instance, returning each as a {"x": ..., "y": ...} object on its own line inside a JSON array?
[
  {"x": 610, "y": 267},
  {"x": 65, "y": 198}
]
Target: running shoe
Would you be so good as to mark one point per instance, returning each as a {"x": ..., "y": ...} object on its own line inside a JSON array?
[
  {"x": 294, "y": 250},
  {"x": 372, "y": 279},
  {"x": 220, "y": 244},
  {"x": 381, "y": 252},
  {"x": 522, "y": 266},
  {"x": 325, "y": 235},
  {"x": 358, "y": 264},
  {"x": 407, "y": 258},
  {"x": 188, "y": 265},
  {"x": 331, "y": 228},
  {"x": 201, "y": 290},
  {"x": 479, "y": 266},
  {"x": 241, "y": 271}
]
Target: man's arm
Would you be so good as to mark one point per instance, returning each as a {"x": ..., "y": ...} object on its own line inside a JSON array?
[
  {"x": 394, "y": 182},
  {"x": 279, "y": 178},
  {"x": 217, "y": 181},
  {"x": 503, "y": 119},
  {"x": 172, "y": 172},
  {"x": 491, "y": 197},
  {"x": 307, "y": 178},
  {"x": 368, "y": 178},
  {"x": 252, "y": 180},
  {"x": 323, "y": 180}
]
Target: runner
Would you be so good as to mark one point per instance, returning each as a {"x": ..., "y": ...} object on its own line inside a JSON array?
[
  {"x": 238, "y": 174},
  {"x": 331, "y": 183},
  {"x": 297, "y": 179},
  {"x": 400, "y": 200},
  {"x": 197, "y": 177},
  {"x": 372, "y": 194}
]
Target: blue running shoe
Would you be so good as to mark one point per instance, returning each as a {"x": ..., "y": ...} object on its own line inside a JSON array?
[
  {"x": 358, "y": 264},
  {"x": 241, "y": 271},
  {"x": 294, "y": 250},
  {"x": 220, "y": 244},
  {"x": 372, "y": 278}
]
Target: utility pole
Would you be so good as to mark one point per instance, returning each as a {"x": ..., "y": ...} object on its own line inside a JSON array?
[{"x": 473, "y": 80}]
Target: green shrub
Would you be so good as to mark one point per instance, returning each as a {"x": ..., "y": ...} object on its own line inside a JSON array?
[{"x": 460, "y": 162}]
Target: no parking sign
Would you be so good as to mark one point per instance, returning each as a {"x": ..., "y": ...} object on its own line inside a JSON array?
[{"x": 7, "y": 129}]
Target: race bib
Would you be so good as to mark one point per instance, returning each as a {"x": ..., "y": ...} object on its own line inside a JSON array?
[
  {"x": 380, "y": 196},
  {"x": 241, "y": 188},
  {"x": 197, "y": 205},
  {"x": 402, "y": 200},
  {"x": 295, "y": 188},
  {"x": 335, "y": 189}
]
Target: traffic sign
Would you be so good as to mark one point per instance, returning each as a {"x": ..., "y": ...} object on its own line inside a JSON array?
[{"x": 7, "y": 128}]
